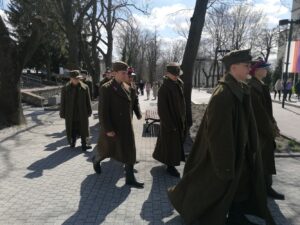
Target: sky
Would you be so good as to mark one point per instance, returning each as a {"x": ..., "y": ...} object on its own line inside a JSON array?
[{"x": 167, "y": 15}]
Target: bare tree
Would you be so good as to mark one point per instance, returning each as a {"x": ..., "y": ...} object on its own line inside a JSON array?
[
  {"x": 243, "y": 25},
  {"x": 173, "y": 51},
  {"x": 191, "y": 50},
  {"x": 114, "y": 12},
  {"x": 152, "y": 56},
  {"x": 266, "y": 42}
]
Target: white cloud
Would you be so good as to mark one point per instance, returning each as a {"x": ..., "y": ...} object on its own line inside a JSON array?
[
  {"x": 274, "y": 11},
  {"x": 165, "y": 17}
]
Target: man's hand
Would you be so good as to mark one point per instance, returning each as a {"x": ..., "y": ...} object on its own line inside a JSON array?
[{"x": 111, "y": 134}]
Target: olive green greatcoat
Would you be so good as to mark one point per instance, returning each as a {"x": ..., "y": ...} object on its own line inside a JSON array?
[
  {"x": 171, "y": 110},
  {"x": 116, "y": 115},
  {"x": 227, "y": 137},
  {"x": 67, "y": 108},
  {"x": 265, "y": 122},
  {"x": 103, "y": 81}
]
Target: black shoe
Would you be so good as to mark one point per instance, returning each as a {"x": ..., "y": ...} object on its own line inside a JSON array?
[
  {"x": 85, "y": 147},
  {"x": 173, "y": 171},
  {"x": 97, "y": 167},
  {"x": 130, "y": 178},
  {"x": 73, "y": 143},
  {"x": 134, "y": 183},
  {"x": 274, "y": 194}
]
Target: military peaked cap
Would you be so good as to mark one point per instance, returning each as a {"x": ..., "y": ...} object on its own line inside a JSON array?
[
  {"x": 237, "y": 56},
  {"x": 119, "y": 66}
]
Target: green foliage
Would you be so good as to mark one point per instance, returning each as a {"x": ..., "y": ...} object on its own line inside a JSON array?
[{"x": 52, "y": 47}]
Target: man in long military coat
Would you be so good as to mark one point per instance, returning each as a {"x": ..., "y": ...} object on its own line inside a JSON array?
[
  {"x": 116, "y": 139},
  {"x": 171, "y": 110},
  {"x": 75, "y": 109},
  {"x": 266, "y": 124},
  {"x": 223, "y": 178}
]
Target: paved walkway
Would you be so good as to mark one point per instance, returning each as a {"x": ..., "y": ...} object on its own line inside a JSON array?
[{"x": 43, "y": 181}]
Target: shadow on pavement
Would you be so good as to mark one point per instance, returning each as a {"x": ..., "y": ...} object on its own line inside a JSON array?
[
  {"x": 277, "y": 214},
  {"x": 52, "y": 161},
  {"x": 100, "y": 195},
  {"x": 158, "y": 199},
  {"x": 298, "y": 114},
  {"x": 57, "y": 134}
]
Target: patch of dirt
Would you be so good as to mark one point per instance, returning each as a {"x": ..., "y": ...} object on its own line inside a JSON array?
[{"x": 284, "y": 145}]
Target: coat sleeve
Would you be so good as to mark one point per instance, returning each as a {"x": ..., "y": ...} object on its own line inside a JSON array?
[
  {"x": 104, "y": 108},
  {"x": 220, "y": 131},
  {"x": 136, "y": 106},
  {"x": 88, "y": 103},
  {"x": 264, "y": 123},
  {"x": 164, "y": 111},
  {"x": 62, "y": 103}
]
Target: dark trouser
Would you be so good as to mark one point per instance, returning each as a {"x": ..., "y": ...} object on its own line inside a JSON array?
[
  {"x": 279, "y": 94},
  {"x": 76, "y": 133},
  {"x": 269, "y": 181},
  {"x": 286, "y": 93}
]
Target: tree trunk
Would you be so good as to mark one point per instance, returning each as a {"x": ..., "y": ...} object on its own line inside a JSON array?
[
  {"x": 95, "y": 55},
  {"x": 191, "y": 50},
  {"x": 214, "y": 68},
  {"x": 12, "y": 60},
  {"x": 73, "y": 48}
]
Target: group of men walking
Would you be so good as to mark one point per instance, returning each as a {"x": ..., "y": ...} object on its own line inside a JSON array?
[{"x": 228, "y": 173}]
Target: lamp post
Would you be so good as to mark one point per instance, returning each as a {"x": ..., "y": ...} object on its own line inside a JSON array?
[{"x": 285, "y": 75}]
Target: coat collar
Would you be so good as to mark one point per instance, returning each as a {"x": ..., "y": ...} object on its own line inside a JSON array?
[
  {"x": 239, "y": 89},
  {"x": 167, "y": 80},
  {"x": 80, "y": 84},
  {"x": 256, "y": 84},
  {"x": 120, "y": 90}
]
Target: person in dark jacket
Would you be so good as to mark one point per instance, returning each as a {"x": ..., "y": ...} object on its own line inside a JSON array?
[
  {"x": 171, "y": 110},
  {"x": 129, "y": 85},
  {"x": 223, "y": 176},
  {"x": 87, "y": 79},
  {"x": 297, "y": 89},
  {"x": 75, "y": 109},
  {"x": 116, "y": 138},
  {"x": 107, "y": 76},
  {"x": 266, "y": 124}
]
